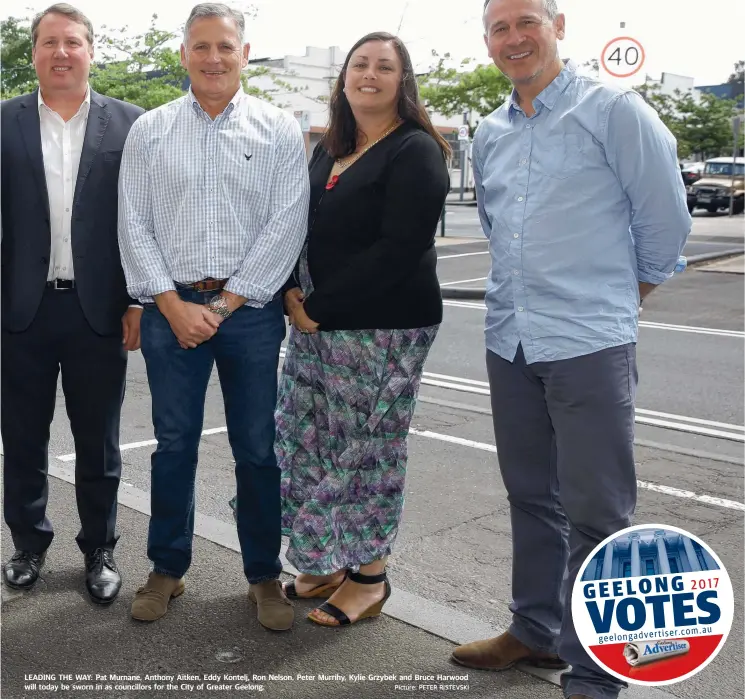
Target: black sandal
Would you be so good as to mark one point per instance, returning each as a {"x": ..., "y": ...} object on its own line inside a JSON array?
[{"x": 372, "y": 611}]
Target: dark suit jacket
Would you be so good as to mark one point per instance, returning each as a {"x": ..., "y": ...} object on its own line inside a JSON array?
[{"x": 26, "y": 234}]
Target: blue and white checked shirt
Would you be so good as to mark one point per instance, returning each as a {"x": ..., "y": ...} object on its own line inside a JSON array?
[
  {"x": 580, "y": 203},
  {"x": 226, "y": 199}
]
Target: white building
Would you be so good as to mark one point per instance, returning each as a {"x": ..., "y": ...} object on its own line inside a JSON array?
[{"x": 309, "y": 80}]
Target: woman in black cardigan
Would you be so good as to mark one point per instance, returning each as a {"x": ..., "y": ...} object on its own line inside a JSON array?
[{"x": 365, "y": 307}]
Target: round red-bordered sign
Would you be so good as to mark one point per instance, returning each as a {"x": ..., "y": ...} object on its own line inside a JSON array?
[{"x": 621, "y": 51}]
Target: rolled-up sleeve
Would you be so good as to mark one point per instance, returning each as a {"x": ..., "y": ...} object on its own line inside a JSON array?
[
  {"x": 643, "y": 154},
  {"x": 271, "y": 260},
  {"x": 144, "y": 268}
]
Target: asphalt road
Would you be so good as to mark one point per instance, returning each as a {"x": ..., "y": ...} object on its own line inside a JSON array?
[{"x": 454, "y": 547}]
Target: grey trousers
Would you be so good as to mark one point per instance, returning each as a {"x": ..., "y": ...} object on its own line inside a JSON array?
[{"x": 565, "y": 434}]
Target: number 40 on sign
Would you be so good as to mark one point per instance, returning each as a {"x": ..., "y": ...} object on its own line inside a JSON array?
[{"x": 622, "y": 57}]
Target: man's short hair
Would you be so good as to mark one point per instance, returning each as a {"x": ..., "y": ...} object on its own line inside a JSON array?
[
  {"x": 62, "y": 8},
  {"x": 211, "y": 9},
  {"x": 549, "y": 7}
]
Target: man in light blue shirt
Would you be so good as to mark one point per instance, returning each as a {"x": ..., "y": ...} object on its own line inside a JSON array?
[
  {"x": 580, "y": 195},
  {"x": 213, "y": 211}
]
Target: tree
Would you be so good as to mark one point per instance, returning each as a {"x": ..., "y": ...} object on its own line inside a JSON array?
[
  {"x": 17, "y": 76},
  {"x": 737, "y": 79},
  {"x": 452, "y": 91},
  {"x": 702, "y": 127}
]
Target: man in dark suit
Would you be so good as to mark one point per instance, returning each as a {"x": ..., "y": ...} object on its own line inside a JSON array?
[{"x": 64, "y": 300}]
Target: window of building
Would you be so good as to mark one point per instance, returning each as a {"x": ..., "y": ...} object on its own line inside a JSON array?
[
  {"x": 673, "y": 565},
  {"x": 649, "y": 566},
  {"x": 627, "y": 569},
  {"x": 700, "y": 555},
  {"x": 599, "y": 570}
]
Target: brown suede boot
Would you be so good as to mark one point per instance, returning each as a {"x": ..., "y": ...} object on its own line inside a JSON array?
[
  {"x": 151, "y": 601},
  {"x": 502, "y": 653},
  {"x": 275, "y": 611}
]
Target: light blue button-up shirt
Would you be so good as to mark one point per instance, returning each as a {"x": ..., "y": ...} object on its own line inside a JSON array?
[{"x": 580, "y": 203}]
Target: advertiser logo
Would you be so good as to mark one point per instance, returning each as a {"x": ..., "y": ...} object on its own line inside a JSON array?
[{"x": 653, "y": 605}]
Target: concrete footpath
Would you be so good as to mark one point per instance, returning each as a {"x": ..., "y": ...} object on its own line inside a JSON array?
[{"x": 55, "y": 640}]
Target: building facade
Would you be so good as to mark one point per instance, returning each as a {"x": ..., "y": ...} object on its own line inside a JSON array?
[{"x": 649, "y": 552}]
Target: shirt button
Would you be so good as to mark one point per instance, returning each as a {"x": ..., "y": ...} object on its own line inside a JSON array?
[
  {"x": 67, "y": 209},
  {"x": 515, "y": 272},
  {"x": 520, "y": 308},
  {"x": 516, "y": 235},
  {"x": 65, "y": 239},
  {"x": 523, "y": 161},
  {"x": 520, "y": 198}
]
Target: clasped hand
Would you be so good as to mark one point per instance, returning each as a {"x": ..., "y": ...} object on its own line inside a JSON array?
[
  {"x": 193, "y": 323},
  {"x": 296, "y": 311}
]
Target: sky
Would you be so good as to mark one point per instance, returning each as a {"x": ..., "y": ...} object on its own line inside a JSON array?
[{"x": 693, "y": 42}]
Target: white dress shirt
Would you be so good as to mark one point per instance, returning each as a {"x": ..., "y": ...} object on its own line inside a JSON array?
[
  {"x": 224, "y": 198},
  {"x": 61, "y": 146}
]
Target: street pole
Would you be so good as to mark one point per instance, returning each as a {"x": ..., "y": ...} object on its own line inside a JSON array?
[
  {"x": 463, "y": 158},
  {"x": 735, "y": 137}
]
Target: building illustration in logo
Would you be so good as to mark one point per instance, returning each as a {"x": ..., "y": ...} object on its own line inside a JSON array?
[{"x": 649, "y": 552}]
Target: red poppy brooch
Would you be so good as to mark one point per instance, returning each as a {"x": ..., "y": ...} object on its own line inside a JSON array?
[{"x": 332, "y": 182}]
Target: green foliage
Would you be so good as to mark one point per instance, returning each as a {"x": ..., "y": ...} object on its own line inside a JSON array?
[
  {"x": 702, "y": 128},
  {"x": 451, "y": 91},
  {"x": 18, "y": 76}
]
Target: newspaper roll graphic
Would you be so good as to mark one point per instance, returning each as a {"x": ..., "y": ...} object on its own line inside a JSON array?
[{"x": 641, "y": 653}]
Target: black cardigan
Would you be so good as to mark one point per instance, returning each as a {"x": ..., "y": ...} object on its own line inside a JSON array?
[{"x": 371, "y": 252}]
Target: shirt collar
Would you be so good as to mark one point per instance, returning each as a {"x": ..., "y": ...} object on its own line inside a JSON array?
[
  {"x": 235, "y": 101},
  {"x": 551, "y": 92},
  {"x": 84, "y": 107}
]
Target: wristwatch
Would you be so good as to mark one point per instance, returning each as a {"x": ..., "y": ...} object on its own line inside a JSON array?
[{"x": 219, "y": 305}]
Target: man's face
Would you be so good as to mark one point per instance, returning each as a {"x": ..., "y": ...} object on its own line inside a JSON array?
[
  {"x": 521, "y": 39},
  {"x": 214, "y": 57},
  {"x": 62, "y": 55}
]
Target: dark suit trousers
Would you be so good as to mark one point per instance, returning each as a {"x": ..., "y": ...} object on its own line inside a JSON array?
[{"x": 93, "y": 376}]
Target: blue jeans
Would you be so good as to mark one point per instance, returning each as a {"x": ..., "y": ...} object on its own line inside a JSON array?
[{"x": 246, "y": 351}]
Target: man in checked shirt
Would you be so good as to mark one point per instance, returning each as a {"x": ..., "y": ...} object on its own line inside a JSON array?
[{"x": 212, "y": 218}]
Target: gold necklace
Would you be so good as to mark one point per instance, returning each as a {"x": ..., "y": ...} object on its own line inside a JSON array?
[{"x": 342, "y": 164}]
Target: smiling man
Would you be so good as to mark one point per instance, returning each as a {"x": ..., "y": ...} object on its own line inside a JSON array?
[
  {"x": 580, "y": 195},
  {"x": 64, "y": 300},
  {"x": 214, "y": 198}
]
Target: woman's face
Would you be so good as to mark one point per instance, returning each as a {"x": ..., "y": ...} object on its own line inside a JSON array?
[{"x": 373, "y": 77}]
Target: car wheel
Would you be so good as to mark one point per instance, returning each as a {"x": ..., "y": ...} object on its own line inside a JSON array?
[
  {"x": 691, "y": 207},
  {"x": 712, "y": 209},
  {"x": 738, "y": 205}
]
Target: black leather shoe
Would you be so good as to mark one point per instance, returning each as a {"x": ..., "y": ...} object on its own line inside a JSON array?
[
  {"x": 102, "y": 579},
  {"x": 22, "y": 570}
]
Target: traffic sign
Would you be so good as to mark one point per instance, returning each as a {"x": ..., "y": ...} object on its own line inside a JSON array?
[
  {"x": 622, "y": 57},
  {"x": 463, "y": 132}
]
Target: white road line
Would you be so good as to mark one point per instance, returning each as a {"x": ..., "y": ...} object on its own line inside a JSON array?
[
  {"x": 483, "y": 446},
  {"x": 464, "y": 281},
  {"x": 679, "y": 423},
  {"x": 462, "y": 254},
  {"x": 642, "y": 323},
  {"x": 667, "y": 490}
]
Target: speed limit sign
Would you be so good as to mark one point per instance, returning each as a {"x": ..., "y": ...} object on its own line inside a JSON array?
[{"x": 622, "y": 57}]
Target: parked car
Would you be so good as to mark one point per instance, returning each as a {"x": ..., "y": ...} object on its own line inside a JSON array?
[
  {"x": 721, "y": 176},
  {"x": 691, "y": 172}
]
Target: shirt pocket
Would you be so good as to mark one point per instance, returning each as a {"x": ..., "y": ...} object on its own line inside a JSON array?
[{"x": 563, "y": 155}]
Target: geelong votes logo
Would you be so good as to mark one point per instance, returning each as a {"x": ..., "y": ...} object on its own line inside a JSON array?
[{"x": 652, "y": 605}]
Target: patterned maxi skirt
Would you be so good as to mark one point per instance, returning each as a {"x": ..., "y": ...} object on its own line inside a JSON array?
[{"x": 346, "y": 399}]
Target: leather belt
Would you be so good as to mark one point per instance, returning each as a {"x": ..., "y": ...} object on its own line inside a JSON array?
[
  {"x": 205, "y": 285},
  {"x": 61, "y": 284}
]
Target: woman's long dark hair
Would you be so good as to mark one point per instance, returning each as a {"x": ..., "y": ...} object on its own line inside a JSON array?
[{"x": 340, "y": 138}]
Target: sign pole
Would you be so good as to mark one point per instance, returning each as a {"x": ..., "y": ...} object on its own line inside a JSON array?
[{"x": 735, "y": 136}]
